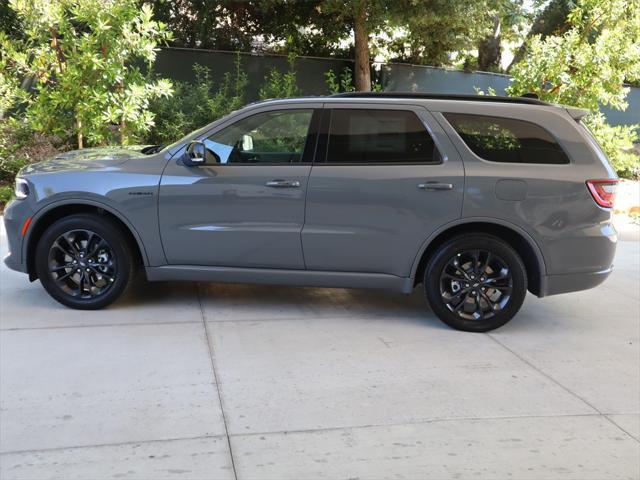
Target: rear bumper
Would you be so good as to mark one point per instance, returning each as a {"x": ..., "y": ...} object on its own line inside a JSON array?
[{"x": 573, "y": 282}]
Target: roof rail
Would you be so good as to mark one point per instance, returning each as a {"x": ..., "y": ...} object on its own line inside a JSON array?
[{"x": 527, "y": 99}]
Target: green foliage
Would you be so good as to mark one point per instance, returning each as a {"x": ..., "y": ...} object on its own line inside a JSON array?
[
  {"x": 280, "y": 85},
  {"x": 194, "y": 104},
  {"x": 10, "y": 92},
  {"x": 20, "y": 145},
  {"x": 617, "y": 144},
  {"x": 344, "y": 82},
  {"x": 435, "y": 30},
  {"x": 83, "y": 57},
  {"x": 586, "y": 66},
  {"x": 9, "y": 23},
  {"x": 6, "y": 192},
  {"x": 418, "y": 31}
]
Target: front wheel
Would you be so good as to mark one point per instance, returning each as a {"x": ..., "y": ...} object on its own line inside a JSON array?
[
  {"x": 84, "y": 261},
  {"x": 475, "y": 282}
]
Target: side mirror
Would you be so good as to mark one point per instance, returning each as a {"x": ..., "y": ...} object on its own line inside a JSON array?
[{"x": 195, "y": 154}]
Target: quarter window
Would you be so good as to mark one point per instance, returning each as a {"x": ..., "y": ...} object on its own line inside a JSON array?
[
  {"x": 378, "y": 137},
  {"x": 506, "y": 140},
  {"x": 270, "y": 137}
]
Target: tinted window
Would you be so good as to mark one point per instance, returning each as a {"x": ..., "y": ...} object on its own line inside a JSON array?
[
  {"x": 500, "y": 139},
  {"x": 270, "y": 137},
  {"x": 379, "y": 136}
]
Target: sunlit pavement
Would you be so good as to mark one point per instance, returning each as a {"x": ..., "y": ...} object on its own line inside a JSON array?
[{"x": 252, "y": 382}]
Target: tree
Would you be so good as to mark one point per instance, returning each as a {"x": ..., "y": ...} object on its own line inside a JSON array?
[
  {"x": 586, "y": 66},
  {"x": 508, "y": 18},
  {"x": 278, "y": 26},
  {"x": 551, "y": 20},
  {"x": 84, "y": 57},
  {"x": 421, "y": 31}
]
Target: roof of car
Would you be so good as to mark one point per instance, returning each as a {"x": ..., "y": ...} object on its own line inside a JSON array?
[{"x": 530, "y": 99}]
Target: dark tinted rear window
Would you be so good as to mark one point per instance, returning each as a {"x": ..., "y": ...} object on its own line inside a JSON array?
[
  {"x": 379, "y": 136},
  {"x": 499, "y": 139}
]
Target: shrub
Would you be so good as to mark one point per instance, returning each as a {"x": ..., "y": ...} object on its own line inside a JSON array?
[
  {"x": 617, "y": 143},
  {"x": 6, "y": 192},
  {"x": 280, "y": 85},
  {"x": 84, "y": 58},
  {"x": 20, "y": 145},
  {"x": 194, "y": 104},
  {"x": 344, "y": 82}
]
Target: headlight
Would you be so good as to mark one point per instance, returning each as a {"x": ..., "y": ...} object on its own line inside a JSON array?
[{"x": 22, "y": 188}]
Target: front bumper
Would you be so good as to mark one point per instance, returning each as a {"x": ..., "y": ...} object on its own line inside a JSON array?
[{"x": 15, "y": 214}]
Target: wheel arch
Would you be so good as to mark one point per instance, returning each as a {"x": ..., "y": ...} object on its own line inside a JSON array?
[
  {"x": 519, "y": 239},
  {"x": 58, "y": 210}
]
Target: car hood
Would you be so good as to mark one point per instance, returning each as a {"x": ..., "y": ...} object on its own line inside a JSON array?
[{"x": 86, "y": 159}]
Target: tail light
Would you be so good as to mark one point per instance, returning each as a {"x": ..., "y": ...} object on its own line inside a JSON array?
[{"x": 603, "y": 191}]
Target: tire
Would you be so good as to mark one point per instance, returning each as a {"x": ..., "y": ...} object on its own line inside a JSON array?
[
  {"x": 95, "y": 244},
  {"x": 480, "y": 299}
]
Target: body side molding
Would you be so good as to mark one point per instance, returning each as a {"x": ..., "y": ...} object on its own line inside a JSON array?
[{"x": 271, "y": 276}]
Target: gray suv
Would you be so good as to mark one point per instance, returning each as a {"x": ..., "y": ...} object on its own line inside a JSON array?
[{"x": 478, "y": 198}]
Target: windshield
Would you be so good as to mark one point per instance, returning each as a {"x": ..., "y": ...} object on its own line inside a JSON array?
[{"x": 173, "y": 147}]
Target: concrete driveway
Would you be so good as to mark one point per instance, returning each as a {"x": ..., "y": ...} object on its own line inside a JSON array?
[{"x": 254, "y": 382}]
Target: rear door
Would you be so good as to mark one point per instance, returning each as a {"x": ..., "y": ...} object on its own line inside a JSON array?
[{"x": 384, "y": 179}]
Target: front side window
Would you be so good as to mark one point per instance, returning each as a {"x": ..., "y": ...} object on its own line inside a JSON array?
[
  {"x": 269, "y": 137},
  {"x": 507, "y": 140},
  {"x": 378, "y": 137}
]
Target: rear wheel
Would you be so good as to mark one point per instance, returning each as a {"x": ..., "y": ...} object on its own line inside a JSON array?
[
  {"x": 84, "y": 261},
  {"x": 475, "y": 282}
]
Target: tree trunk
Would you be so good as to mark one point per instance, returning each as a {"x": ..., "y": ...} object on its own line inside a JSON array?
[
  {"x": 489, "y": 50},
  {"x": 123, "y": 131},
  {"x": 362, "y": 67},
  {"x": 80, "y": 137}
]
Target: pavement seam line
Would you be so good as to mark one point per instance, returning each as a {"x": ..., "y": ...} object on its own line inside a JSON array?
[
  {"x": 310, "y": 430},
  {"x": 416, "y": 422},
  {"x": 637, "y": 439},
  {"x": 102, "y": 325},
  {"x": 566, "y": 389},
  {"x": 115, "y": 444},
  {"x": 215, "y": 380}
]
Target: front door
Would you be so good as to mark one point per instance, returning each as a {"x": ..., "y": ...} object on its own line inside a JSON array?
[
  {"x": 384, "y": 180},
  {"x": 244, "y": 207}
]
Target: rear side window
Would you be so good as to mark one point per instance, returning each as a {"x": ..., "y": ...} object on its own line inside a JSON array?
[
  {"x": 506, "y": 140},
  {"x": 378, "y": 137}
]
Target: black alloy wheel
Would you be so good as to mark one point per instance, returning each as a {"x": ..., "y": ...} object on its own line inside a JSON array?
[
  {"x": 85, "y": 261},
  {"x": 475, "y": 282},
  {"x": 82, "y": 264}
]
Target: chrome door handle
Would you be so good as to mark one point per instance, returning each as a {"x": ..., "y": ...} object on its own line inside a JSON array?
[
  {"x": 283, "y": 184},
  {"x": 435, "y": 186}
]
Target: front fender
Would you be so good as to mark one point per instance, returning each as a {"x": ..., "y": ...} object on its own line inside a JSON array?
[{"x": 90, "y": 201}]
